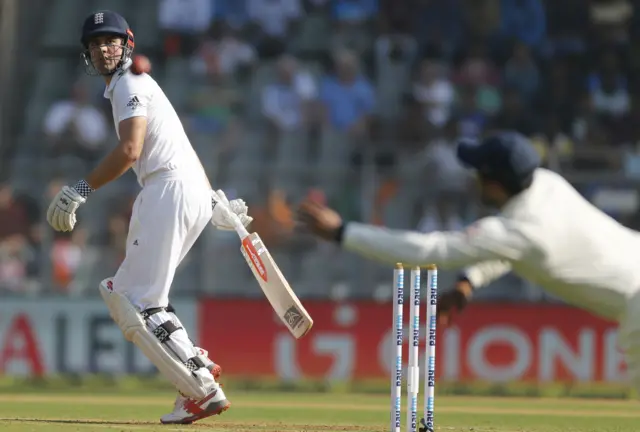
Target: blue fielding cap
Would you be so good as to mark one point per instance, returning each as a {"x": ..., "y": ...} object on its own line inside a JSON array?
[{"x": 507, "y": 157}]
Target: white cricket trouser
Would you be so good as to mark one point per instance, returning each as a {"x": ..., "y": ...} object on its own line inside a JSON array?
[{"x": 168, "y": 216}]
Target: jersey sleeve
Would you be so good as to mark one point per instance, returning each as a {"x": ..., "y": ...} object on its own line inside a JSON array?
[
  {"x": 131, "y": 98},
  {"x": 482, "y": 274},
  {"x": 489, "y": 239}
]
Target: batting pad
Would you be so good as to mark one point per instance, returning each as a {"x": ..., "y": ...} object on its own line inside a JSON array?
[
  {"x": 161, "y": 341},
  {"x": 201, "y": 353}
]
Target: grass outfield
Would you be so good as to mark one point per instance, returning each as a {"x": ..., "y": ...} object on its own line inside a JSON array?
[{"x": 311, "y": 412}]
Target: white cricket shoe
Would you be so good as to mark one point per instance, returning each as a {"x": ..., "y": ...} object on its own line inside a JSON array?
[{"x": 186, "y": 411}]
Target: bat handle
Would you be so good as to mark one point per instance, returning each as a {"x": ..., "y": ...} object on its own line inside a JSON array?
[
  {"x": 237, "y": 223},
  {"x": 240, "y": 229}
]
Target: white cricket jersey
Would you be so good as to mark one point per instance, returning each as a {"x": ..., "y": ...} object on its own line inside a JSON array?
[
  {"x": 166, "y": 145},
  {"x": 548, "y": 234}
]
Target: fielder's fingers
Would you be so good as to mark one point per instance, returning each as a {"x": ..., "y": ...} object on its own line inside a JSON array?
[
  {"x": 304, "y": 216},
  {"x": 311, "y": 206},
  {"x": 309, "y": 211},
  {"x": 444, "y": 319}
]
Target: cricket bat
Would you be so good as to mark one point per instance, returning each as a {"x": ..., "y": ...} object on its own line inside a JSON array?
[{"x": 273, "y": 283}]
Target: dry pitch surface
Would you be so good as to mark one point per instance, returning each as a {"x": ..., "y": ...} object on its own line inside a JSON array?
[{"x": 297, "y": 412}]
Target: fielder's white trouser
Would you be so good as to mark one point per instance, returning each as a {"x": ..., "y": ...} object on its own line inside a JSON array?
[
  {"x": 629, "y": 340},
  {"x": 168, "y": 216}
]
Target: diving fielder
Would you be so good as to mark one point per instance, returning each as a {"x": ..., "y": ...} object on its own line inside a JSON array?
[
  {"x": 174, "y": 206},
  {"x": 545, "y": 232}
]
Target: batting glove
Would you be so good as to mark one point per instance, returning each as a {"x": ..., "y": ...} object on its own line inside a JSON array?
[
  {"x": 220, "y": 218},
  {"x": 61, "y": 214}
]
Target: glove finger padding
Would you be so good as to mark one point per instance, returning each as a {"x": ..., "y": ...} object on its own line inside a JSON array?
[
  {"x": 238, "y": 206},
  {"x": 246, "y": 220},
  {"x": 64, "y": 220},
  {"x": 61, "y": 212},
  {"x": 50, "y": 212},
  {"x": 222, "y": 197}
]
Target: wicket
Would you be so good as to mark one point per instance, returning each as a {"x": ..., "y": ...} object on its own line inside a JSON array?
[{"x": 413, "y": 368}]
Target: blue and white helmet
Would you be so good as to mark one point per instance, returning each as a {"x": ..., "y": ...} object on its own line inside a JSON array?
[{"x": 103, "y": 23}]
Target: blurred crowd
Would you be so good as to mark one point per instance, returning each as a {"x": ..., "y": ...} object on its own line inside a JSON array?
[{"x": 386, "y": 88}]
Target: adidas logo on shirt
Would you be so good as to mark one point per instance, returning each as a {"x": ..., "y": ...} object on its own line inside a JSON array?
[{"x": 134, "y": 102}]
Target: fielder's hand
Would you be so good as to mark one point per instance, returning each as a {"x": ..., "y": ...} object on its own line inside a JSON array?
[
  {"x": 454, "y": 300},
  {"x": 220, "y": 218},
  {"x": 321, "y": 220},
  {"x": 61, "y": 214}
]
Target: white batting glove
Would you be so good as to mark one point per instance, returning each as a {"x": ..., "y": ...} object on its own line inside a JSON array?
[
  {"x": 61, "y": 214},
  {"x": 220, "y": 218}
]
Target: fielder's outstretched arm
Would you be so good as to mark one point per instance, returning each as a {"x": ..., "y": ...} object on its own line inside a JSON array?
[
  {"x": 489, "y": 239},
  {"x": 482, "y": 274}
]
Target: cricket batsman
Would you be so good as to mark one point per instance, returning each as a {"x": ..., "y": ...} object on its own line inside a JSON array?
[
  {"x": 174, "y": 206},
  {"x": 544, "y": 231}
]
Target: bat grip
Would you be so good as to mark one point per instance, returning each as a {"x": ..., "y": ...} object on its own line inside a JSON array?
[
  {"x": 240, "y": 229},
  {"x": 237, "y": 223}
]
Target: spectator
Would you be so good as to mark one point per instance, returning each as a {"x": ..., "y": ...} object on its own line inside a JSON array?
[
  {"x": 19, "y": 241},
  {"x": 449, "y": 176},
  {"x": 515, "y": 115},
  {"x": 14, "y": 216},
  {"x": 524, "y": 21},
  {"x": 354, "y": 11},
  {"x": 183, "y": 22},
  {"x": 76, "y": 127},
  {"x": 471, "y": 120},
  {"x": 215, "y": 99},
  {"x": 224, "y": 53},
  {"x": 441, "y": 215},
  {"x": 568, "y": 24},
  {"x": 348, "y": 96},
  {"x": 478, "y": 72},
  {"x": 481, "y": 17},
  {"x": 611, "y": 20},
  {"x": 66, "y": 254},
  {"x": 353, "y": 24},
  {"x": 396, "y": 17},
  {"x": 609, "y": 87},
  {"x": 275, "y": 21},
  {"x": 438, "y": 208},
  {"x": 438, "y": 26},
  {"x": 561, "y": 89},
  {"x": 232, "y": 13},
  {"x": 395, "y": 43},
  {"x": 286, "y": 103},
  {"x": 15, "y": 254},
  {"x": 521, "y": 73},
  {"x": 434, "y": 91},
  {"x": 553, "y": 143},
  {"x": 412, "y": 131}
]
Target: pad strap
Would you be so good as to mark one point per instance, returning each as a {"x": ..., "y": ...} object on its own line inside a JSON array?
[
  {"x": 164, "y": 330},
  {"x": 194, "y": 363},
  {"x": 151, "y": 311}
]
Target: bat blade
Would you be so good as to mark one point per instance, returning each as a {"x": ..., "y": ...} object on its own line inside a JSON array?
[{"x": 275, "y": 286}]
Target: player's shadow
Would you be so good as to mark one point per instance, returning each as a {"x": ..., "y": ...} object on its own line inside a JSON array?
[{"x": 86, "y": 422}]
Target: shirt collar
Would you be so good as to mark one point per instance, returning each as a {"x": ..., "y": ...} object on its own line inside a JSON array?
[{"x": 116, "y": 77}]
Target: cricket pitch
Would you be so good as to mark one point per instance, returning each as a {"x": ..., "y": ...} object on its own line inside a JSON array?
[{"x": 296, "y": 412}]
